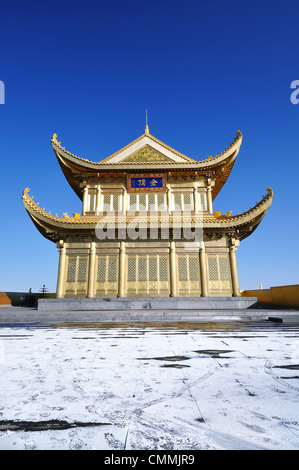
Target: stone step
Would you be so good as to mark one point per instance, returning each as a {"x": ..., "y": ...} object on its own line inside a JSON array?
[
  {"x": 27, "y": 316},
  {"x": 169, "y": 303}
]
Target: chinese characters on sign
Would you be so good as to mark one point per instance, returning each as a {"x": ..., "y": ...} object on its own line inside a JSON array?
[
  {"x": 143, "y": 183},
  {"x": 147, "y": 182}
]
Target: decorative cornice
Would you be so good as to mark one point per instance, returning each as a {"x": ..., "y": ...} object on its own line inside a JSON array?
[
  {"x": 208, "y": 162},
  {"x": 217, "y": 168},
  {"x": 242, "y": 225}
]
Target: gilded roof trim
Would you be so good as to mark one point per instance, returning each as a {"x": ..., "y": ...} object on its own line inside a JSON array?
[
  {"x": 154, "y": 139},
  {"x": 207, "y": 163},
  {"x": 71, "y": 164},
  {"x": 51, "y": 223}
]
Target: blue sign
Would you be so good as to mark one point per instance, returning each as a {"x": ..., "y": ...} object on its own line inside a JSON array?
[{"x": 147, "y": 182}]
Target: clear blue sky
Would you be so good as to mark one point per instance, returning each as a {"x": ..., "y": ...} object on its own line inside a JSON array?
[{"x": 87, "y": 70}]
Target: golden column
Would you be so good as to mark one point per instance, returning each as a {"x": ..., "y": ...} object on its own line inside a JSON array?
[
  {"x": 122, "y": 270},
  {"x": 61, "y": 269},
  {"x": 195, "y": 198},
  {"x": 233, "y": 268},
  {"x": 169, "y": 202},
  {"x": 98, "y": 199},
  {"x": 209, "y": 199},
  {"x": 91, "y": 271},
  {"x": 173, "y": 277},
  {"x": 85, "y": 200},
  {"x": 203, "y": 270},
  {"x": 124, "y": 201}
]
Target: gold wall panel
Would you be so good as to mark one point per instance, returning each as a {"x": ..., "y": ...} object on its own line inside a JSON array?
[
  {"x": 76, "y": 276},
  {"x": 107, "y": 276},
  {"x": 147, "y": 274},
  {"x": 188, "y": 275},
  {"x": 219, "y": 275}
]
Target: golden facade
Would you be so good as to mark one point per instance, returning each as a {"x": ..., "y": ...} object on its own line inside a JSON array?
[{"x": 147, "y": 227}]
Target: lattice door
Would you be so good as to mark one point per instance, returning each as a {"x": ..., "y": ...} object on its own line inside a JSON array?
[
  {"x": 188, "y": 275},
  {"x": 76, "y": 277},
  {"x": 107, "y": 276},
  {"x": 147, "y": 275},
  {"x": 219, "y": 275}
]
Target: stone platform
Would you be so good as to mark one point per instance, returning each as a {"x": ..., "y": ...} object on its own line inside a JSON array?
[
  {"x": 134, "y": 304},
  {"x": 154, "y": 310},
  {"x": 30, "y": 316}
]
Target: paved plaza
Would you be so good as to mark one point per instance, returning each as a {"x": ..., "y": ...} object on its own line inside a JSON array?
[{"x": 138, "y": 386}]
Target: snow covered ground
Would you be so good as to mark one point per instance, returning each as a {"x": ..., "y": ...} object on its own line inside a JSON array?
[{"x": 231, "y": 386}]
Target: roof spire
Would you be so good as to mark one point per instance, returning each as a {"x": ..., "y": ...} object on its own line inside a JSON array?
[{"x": 146, "y": 131}]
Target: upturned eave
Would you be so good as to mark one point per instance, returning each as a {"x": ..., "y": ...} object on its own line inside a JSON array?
[
  {"x": 53, "y": 226},
  {"x": 76, "y": 168}
]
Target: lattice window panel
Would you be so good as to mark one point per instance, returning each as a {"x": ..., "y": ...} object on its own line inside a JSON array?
[
  {"x": 152, "y": 269},
  {"x": 141, "y": 269},
  {"x": 161, "y": 199},
  {"x": 71, "y": 270},
  {"x": 224, "y": 269},
  {"x": 101, "y": 270},
  {"x": 133, "y": 201},
  {"x": 132, "y": 269},
  {"x": 107, "y": 200},
  {"x": 188, "y": 202},
  {"x": 203, "y": 201},
  {"x": 112, "y": 269},
  {"x": 82, "y": 270},
  {"x": 212, "y": 267},
  {"x": 193, "y": 269},
  {"x": 142, "y": 202},
  {"x": 163, "y": 269},
  {"x": 116, "y": 203},
  {"x": 92, "y": 202},
  {"x": 182, "y": 267},
  {"x": 177, "y": 198},
  {"x": 151, "y": 202}
]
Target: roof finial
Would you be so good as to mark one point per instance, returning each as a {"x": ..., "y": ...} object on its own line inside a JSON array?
[{"x": 146, "y": 131}]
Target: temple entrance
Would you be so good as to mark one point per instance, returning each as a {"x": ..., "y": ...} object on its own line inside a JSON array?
[
  {"x": 107, "y": 276},
  {"x": 219, "y": 275},
  {"x": 188, "y": 275},
  {"x": 147, "y": 276}
]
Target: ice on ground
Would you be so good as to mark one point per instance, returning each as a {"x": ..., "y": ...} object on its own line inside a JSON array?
[{"x": 148, "y": 387}]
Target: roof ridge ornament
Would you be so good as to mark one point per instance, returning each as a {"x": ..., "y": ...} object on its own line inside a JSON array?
[{"x": 146, "y": 130}]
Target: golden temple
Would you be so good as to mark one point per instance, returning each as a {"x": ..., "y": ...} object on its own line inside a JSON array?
[{"x": 147, "y": 227}]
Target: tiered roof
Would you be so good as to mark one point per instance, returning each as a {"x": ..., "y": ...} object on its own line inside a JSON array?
[
  {"x": 141, "y": 155},
  {"x": 55, "y": 228}
]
